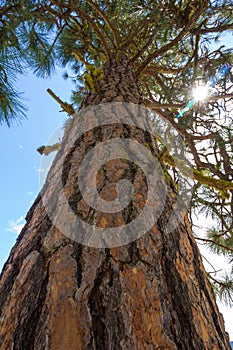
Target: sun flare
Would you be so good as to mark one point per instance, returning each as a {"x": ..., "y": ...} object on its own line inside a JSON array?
[{"x": 200, "y": 93}]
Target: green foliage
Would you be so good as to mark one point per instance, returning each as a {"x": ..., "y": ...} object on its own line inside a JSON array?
[
  {"x": 223, "y": 288},
  {"x": 11, "y": 57},
  {"x": 220, "y": 242},
  {"x": 10, "y": 103}
]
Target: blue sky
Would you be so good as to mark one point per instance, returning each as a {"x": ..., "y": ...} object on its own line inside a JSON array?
[{"x": 20, "y": 161}]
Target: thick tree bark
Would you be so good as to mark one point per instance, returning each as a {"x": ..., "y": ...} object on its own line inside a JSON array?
[{"x": 152, "y": 293}]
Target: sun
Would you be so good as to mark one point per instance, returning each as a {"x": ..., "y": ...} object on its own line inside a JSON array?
[{"x": 200, "y": 93}]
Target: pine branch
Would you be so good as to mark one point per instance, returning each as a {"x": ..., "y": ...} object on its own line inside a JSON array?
[
  {"x": 217, "y": 29},
  {"x": 223, "y": 289},
  {"x": 156, "y": 105},
  {"x": 92, "y": 22},
  {"x": 144, "y": 23},
  {"x": 215, "y": 210},
  {"x": 175, "y": 41},
  {"x": 108, "y": 23},
  {"x": 68, "y": 108},
  {"x": 46, "y": 150},
  {"x": 222, "y": 186},
  {"x": 216, "y": 243}
]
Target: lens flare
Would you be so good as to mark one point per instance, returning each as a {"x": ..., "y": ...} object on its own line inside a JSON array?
[{"x": 200, "y": 93}]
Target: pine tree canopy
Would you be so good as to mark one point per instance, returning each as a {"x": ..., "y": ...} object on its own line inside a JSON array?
[{"x": 172, "y": 46}]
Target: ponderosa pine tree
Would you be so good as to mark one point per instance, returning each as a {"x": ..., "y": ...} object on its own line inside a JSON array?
[{"x": 152, "y": 293}]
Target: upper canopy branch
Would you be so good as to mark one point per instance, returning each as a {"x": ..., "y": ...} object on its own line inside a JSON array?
[
  {"x": 175, "y": 41},
  {"x": 108, "y": 23},
  {"x": 217, "y": 29},
  {"x": 92, "y": 21}
]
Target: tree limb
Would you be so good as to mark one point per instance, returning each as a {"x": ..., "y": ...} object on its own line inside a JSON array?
[{"x": 175, "y": 41}]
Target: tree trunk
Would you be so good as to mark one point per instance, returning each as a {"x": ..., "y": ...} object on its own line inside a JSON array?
[{"x": 151, "y": 293}]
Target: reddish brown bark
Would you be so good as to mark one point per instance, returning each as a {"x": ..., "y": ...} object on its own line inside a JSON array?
[{"x": 150, "y": 294}]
